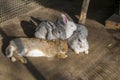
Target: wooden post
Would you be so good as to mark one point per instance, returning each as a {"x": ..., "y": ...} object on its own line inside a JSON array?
[
  {"x": 84, "y": 9},
  {"x": 119, "y": 8}
]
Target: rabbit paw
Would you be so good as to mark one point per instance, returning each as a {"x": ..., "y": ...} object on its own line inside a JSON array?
[
  {"x": 62, "y": 56},
  {"x": 76, "y": 51},
  {"x": 13, "y": 59},
  {"x": 24, "y": 61},
  {"x": 86, "y": 52}
]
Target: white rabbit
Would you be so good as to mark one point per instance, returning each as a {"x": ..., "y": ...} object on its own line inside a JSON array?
[
  {"x": 78, "y": 41},
  {"x": 33, "y": 47},
  {"x": 62, "y": 29},
  {"x": 68, "y": 25}
]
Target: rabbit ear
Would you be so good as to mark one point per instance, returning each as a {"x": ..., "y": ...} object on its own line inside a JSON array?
[{"x": 65, "y": 20}]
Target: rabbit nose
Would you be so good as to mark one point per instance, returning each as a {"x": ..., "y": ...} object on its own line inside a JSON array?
[{"x": 80, "y": 46}]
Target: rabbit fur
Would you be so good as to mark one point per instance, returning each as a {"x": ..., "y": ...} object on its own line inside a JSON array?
[
  {"x": 78, "y": 41},
  {"x": 32, "y": 47},
  {"x": 42, "y": 30},
  {"x": 62, "y": 29}
]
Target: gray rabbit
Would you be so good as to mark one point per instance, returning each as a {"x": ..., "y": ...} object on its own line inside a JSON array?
[
  {"x": 83, "y": 29},
  {"x": 42, "y": 30},
  {"x": 78, "y": 41},
  {"x": 62, "y": 29}
]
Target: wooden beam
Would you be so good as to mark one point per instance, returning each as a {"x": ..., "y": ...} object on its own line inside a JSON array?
[
  {"x": 84, "y": 10},
  {"x": 113, "y": 22},
  {"x": 119, "y": 8}
]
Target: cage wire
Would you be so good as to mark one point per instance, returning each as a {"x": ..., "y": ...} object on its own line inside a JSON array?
[{"x": 12, "y": 8}]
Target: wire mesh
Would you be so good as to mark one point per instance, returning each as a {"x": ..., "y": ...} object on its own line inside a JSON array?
[{"x": 12, "y": 8}]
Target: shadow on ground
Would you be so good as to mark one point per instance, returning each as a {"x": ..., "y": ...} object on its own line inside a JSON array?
[
  {"x": 32, "y": 69},
  {"x": 98, "y": 10}
]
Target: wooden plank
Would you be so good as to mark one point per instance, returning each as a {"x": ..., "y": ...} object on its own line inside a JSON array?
[
  {"x": 84, "y": 9},
  {"x": 113, "y": 22}
]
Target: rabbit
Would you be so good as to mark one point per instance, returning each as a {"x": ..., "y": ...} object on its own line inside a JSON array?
[
  {"x": 68, "y": 25},
  {"x": 83, "y": 29},
  {"x": 33, "y": 47},
  {"x": 42, "y": 30},
  {"x": 78, "y": 41},
  {"x": 50, "y": 28},
  {"x": 59, "y": 32},
  {"x": 62, "y": 29}
]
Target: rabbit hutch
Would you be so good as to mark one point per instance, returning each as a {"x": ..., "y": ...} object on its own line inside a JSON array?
[{"x": 19, "y": 18}]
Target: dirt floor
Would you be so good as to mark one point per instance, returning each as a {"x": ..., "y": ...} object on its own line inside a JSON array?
[{"x": 102, "y": 63}]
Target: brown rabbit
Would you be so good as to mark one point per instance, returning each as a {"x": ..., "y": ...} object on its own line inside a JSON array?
[{"x": 33, "y": 47}]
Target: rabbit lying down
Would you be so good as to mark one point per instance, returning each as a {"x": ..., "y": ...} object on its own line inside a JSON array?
[
  {"x": 62, "y": 29},
  {"x": 78, "y": 41},
  {"x": 32, "y": 47},
  {"x": 47, "y": 30}
]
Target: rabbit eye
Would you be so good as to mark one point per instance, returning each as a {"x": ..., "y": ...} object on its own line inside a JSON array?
[
  {"x": 79, "y": 40},
  {"x": 59, "y": 32},
  {"x": 79, "y": 32}
]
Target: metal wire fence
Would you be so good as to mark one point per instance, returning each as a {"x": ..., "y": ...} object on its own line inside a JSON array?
[{"x": 13, "y": 8}]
